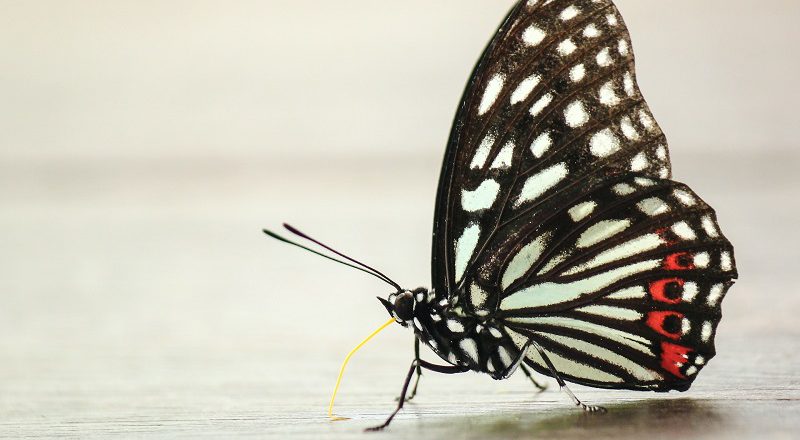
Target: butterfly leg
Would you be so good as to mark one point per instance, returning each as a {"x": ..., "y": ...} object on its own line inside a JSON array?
[
  {"x": 418, "y": 372},
  {"x": 540, "y": 387},
  {"x": 562, "y": 384},
  {"x": 445, "y": 369}
]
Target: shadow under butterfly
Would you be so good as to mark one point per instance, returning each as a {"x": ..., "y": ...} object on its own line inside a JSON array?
[{"x": 560, "y": 243}]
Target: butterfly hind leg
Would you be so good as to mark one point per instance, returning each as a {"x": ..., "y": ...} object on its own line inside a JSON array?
[
  {"x": 417, "y": 363},
  {"x": 418, "y": 373},
  {"x": 562, "y": 384}
]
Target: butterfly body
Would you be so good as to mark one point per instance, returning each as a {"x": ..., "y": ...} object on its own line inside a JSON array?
[{"x": 461, "y": 338}]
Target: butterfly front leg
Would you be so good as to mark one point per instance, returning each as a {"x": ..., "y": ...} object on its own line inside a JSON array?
[
  {"x": 418, "y": 372},
  {"x": 561, "y": 383},
  {"x": 417, "y": 363}
]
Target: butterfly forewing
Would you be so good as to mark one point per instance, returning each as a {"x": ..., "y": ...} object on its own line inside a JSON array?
[{"x": 554, "y": 198}]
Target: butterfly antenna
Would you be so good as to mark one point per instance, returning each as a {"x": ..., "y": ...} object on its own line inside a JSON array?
[
  {"x": 365, "y": 268},
  {"x": 301, "y": 234}
]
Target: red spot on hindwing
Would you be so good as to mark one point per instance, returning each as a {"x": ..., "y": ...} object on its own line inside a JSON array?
[
  {"x": 668, "y": 290},
  {"x": 673, "y": 357},
  {"x": 679, "y": 261},
  {"x": 666, "y": 322}
]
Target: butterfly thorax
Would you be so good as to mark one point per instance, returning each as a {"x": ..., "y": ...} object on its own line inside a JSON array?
[{"x": 463, "y": 339}]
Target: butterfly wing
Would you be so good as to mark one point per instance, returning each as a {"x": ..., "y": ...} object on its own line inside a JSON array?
[
  {"x": 552, "y": 121},
  {"x": 621, "y": 287}
]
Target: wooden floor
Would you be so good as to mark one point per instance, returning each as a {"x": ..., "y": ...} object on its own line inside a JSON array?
[{"x": 141, "y": 300}]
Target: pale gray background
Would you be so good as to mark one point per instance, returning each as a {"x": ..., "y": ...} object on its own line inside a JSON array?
[{"x": 143, "y": 144}]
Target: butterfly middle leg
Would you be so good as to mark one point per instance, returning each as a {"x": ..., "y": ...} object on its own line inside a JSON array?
[
  {"x": 418, "y": 372},
  {"x": 541, "y": 387},
  {"x": 561, "y": 383},
  {"x": 417, "y": 363}
]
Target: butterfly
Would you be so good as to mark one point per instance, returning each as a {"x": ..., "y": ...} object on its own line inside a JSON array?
[{"x": 560, "y": 242}]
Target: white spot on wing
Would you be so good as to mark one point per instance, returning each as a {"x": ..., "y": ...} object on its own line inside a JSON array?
[
  {"x": 603, "y": 58},
  {"x": 628, "y": 130},
  {"x": 620, "y": 313},
  {"x": 607, "y": 95},
  {"x": 623, "y": 189},
  {"x": 705, "y": 333},
  {"x": 540, "y": 183},
  {"x": 523, "y": 260},
  {"x": 690, "y": 291},
  {"x": 569, "y": 13},
  {"x": 533, "y": 36},
  {"x": 505, "y": 358},
  {"x": 577, "y": 73},
  {"x": 639, "y": 162},
  {"x": 710, "y": 227},
  {"x": 623, "y": 47},
  {"x": 465, "y": 246},
  {"x": 481, "y": 198},
  {"x": 493, "y": 89},
  {"x": 604, "y": 143},
  {"x": 566, "y": 47},
  {"x": 477, "y": 295},
  {"x": 684, "y": 197},
  {"x": 646, "y": 120},
  {"x": 455, "y": 326},
  {"x": 653, "y": 206},
  {"x": 627, "y": 81},
  {"x": 541, "y": 104},
  {"x": 714, "y": 295},
  {"x": 504, "y": 158},
  {"x": 483, "y": 152},
  {"x": 725, "y": 262},
  {"x": 628, "y": 293},
  {"x": 591, "y": 31},
  {"x": 684, "y": 231},
  {"x": 541, "y": 144},
  {"x": 524, "y": 89},
  {"x": 470, "y": 348},
  {"x": 581, "y": 211},
  {"x": 575, "y": 114},
  {"x": 702, "y": 260},
  {"x": 601, "y": 231}
]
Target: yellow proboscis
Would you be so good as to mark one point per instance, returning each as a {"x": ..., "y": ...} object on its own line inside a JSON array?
[{"x": 344, "y": 365}]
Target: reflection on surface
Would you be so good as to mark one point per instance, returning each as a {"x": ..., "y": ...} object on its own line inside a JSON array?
[{"x": 659, "y": 418}]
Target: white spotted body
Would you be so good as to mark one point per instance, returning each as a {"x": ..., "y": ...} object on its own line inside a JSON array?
[{"x": 463, "y": 339}]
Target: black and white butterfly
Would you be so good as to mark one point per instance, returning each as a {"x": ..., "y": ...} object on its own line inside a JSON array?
[{"x": 560, "y": 242}]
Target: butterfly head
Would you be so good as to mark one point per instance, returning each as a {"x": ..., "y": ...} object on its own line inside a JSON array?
[{"x": 402, "y": 305}]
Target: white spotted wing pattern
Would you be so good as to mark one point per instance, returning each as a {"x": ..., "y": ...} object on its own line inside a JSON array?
[{"x": 556, "y": 218}]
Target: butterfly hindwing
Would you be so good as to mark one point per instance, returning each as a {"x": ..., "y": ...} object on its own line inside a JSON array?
[
  {"x": 615, "y": 284},
  {"x": 555, "y": 206}
]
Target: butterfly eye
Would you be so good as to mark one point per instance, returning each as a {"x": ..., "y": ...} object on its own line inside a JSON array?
[{"x": 404, "y": 306}]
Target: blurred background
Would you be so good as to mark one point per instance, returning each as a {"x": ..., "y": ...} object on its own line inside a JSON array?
[{"x": 144, "y": 144}]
